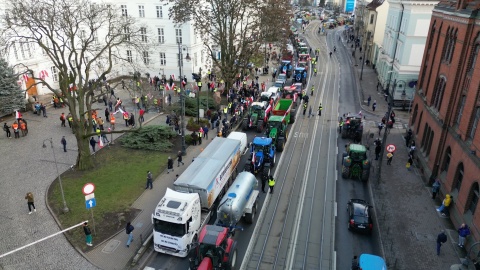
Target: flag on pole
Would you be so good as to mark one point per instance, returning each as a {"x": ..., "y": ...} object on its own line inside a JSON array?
[
  {"x": 253, "y": 158},
  {"x": 25, "y": 77},
  {"x": 18, "y": 115},
  {"x": 100, "y": 142}
]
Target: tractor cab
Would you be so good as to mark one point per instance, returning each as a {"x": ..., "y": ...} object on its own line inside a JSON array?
[
  {"x": 286, "y": 67},
  {"x": 302, "y": 64},
  {"x": 300, "y": 75},
  {"x": 290, "y": 92},
  {"x": 303, "y": 50},
  {"x": 304, "y": 57}
]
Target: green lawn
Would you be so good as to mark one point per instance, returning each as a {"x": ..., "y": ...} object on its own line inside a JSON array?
[{"x": 119, "y": 179}]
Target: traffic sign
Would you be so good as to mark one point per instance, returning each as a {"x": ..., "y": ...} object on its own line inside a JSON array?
[
  {"x": 391, "y": 148},
  {"x": 89, "y": 196},
  {"x": 88, "y": 188},
  {"x": 91, "y": 203}
]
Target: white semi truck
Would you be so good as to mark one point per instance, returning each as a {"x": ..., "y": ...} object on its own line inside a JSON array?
[{"x": 184, "y": 211}]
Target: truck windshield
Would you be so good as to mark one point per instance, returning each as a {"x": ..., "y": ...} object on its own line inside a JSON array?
[{"x": 165, "y": 227}]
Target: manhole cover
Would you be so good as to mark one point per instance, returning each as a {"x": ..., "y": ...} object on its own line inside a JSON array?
[{"x": 111, "y": 246}]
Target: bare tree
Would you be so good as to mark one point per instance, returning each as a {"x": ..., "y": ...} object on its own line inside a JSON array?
[
  {"x": 77, "y": 36},
  {"x": 228, "y": 26}
]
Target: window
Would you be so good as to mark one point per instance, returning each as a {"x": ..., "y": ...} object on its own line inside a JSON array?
[
  {"x": 438, "y": 92},
  {"x": 126, "y": 32},
  {"x": 460, "y": 109},
  {"x": 473, "y": 57},
  {"x": 161, "y": 35},
  {"x": 159, "y": 12},
  {"x": 449, "y": 46},
  {"x": 22, "y": 50},
  {"x": 475, "y": 122},
  {"x": 473, "y": 198},
  {"x": 458, "y": 177},
  {"x": 143, "y": 34},
  {"x": 432, "y": 35},
  {"x": 141, "y": 11},
  {"x": 163, "y": 59},
  {"x": 447, "y": 159},
  {"x": 54, "y": 74},
  {"x": 124, "y": 10},
  {"x": 145, "y": 58},
  {"x": 129, "y": 56},
  {"x": 95, "y": 38},
  {"x": 178, "y": 34},
  {"x": 372, "y": 17}
]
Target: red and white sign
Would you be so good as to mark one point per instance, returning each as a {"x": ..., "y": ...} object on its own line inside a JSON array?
[
  {"x": 88, "y": 188},
  {"x": 391, "y": 148}
]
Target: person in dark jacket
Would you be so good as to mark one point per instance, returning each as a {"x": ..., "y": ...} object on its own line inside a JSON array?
[
  {"x": 6, "y": 128},
  {"x": 88, "y": 234},
  {"x": 129, "y": 230},
  {"x": 463, "y": 232},
  {"x": 170, "y": 165},
  {"x": 441, "y": 239},
  {"x": 180, "y": 158},
  {"x": 93, "y": 143},
  {"x": 131, "y": 121}
]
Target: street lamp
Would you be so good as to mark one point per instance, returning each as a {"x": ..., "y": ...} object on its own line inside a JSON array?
[
  {"x": 182, "y": 93},
  {"x": 199, "y": 86},
  {"x": 65, "y": 208}
]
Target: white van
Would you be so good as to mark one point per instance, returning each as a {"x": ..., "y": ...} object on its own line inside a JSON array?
[{"x": 242, "y": 137}]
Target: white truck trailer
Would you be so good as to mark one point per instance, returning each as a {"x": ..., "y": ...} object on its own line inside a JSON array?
[{"x": 183, "y": 212}]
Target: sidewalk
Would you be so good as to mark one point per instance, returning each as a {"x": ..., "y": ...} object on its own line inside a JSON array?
[{"x": 407, "y": 219}]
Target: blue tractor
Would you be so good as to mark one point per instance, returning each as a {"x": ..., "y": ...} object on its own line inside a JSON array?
[
  {"x": 262, "y": 156},
  {"x": 286, "y": 67},
  {"x": 300, "y": 75}
]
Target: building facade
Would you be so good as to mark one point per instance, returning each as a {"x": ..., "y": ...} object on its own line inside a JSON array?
[
  {"x": 161, "y": 58},
  {"x": 403, "y": 45},
  {"x": 446, "y": 108}
]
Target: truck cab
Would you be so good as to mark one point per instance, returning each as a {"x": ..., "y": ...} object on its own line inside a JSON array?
[{"x": 176, "y": 220}]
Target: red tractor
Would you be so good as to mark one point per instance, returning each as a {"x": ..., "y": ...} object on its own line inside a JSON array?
[{"x": 216, "y": 249}]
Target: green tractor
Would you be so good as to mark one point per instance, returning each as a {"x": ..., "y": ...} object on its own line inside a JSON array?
[
  {"x": 256, "y": 117},
  {"x": 353, "y": 128},
  {"x": 277, "y": 130},
  {"x": 355, "y": 164}
]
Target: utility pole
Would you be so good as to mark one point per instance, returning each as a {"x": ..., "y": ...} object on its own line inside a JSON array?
[
  {"x": 385, "y": 132},
  {"x": 182, "y": 100}
]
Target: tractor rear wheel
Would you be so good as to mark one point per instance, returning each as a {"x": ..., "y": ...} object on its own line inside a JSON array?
[
  {"x": 292, "y": 116},
  {"x": 232, "y": 258},
  {"x": 345, "y": 172},
  {"x": 259, "y": 126},
  {"x": 245, "y": 124},
  {"x": 365, "y": 175},
  {"x": 280, "y": 145},
  {"x": 272, "y": 162}
]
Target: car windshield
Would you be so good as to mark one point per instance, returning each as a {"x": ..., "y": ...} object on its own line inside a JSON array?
[
  {"x": 360, "y": 214},
  {"x": 165, "y": 227}
]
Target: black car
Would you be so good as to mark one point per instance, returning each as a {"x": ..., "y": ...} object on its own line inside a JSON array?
[{"x": 360, "y": 216}]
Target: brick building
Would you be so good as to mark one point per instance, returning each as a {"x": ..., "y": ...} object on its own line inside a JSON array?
[{"x": 446, "y": 109}]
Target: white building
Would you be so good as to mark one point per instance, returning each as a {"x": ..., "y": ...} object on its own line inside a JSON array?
[{"x": 160, "y": 59}]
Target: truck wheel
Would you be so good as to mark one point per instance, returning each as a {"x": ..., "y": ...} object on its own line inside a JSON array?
[
  {"x": 249, "y": 218},
  {"x": 272, "y": 162},
  {"x": 292, "y": 116},
  {"x": 232, "y": 259},
  {"x": 365, "y": 175},
  {"x": 345, "y": 172},
  {"x": 259, "y": 126}
]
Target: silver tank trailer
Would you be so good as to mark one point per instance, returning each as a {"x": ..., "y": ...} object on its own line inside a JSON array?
[{"x": 232, "y": 205}]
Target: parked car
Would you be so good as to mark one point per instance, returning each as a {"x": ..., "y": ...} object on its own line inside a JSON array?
[
  {"x": 359, "y": 216},
  {"x": 282, "y": 77},
  {"x": 279, "y": 83}
]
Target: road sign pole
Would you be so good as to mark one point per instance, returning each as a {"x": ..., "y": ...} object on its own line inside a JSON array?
[{"x": 93, "y": 222}]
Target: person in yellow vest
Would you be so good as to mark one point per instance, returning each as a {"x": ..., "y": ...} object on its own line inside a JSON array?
[
  {"x": 230, "y": 108},
  {"x": 137, "y": 102},
  {"x": 155, "y": 103},
  {"x": 179, "y": 91},
  {"x": 200, "y": 135},
  {"x": 70, "y": 120},
  {"x": 271, "y": 183},
  {"x": 112, "y": 122},
  {"x": 222, "y": 81},
  {"x": 320, "y": 108},
  {"x": 98, "y": 131},
  {"x": 199, "y": 84},
  {"x": 225, "y": 112}
]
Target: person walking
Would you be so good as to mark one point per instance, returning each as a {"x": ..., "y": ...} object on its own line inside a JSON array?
[
  {"x": 389, "y": 158},
  {"x": 445, "y": 203},
  {"x": 409, "y": 162},
  {"x": 441, "y": 239},
  {"x": 374, "y": 105},
  {"x": 179, "y": 158},
  {"x": 88, "y": 234},
  {"x": 170, "y": 165},
  {"x": 93, "y": 143},
  {"x": 264, "y": 182},
  {"x": 64, "y": 143},
  {"x": 107, "y": 115},
  {"x": 435, "y": 188},
  {"x": 112, "y": 122},
  {"x": 149, "y": 180},
  {"x": 44, "y": 109},
  {"x": 129, "y": 230},
  {"x": 463, "y": 232},
  {"x": 7, "y": 130},
  {"x": 271, "y": 183},
  {"x": 30, "y": 202},
  {"x": 368, "y": 100},
  {"x": 380, "y": 127},
  {"x": 378, "y": 148},
  {"x": 205, "y": 132},
  {"x": 320, "y": 108},
  {"x": 63, "y": 118},
  {"x": 304, "y": 108}
]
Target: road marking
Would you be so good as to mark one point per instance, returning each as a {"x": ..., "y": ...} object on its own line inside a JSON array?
[
  {"x": 300, "y": 135},
  {"x": 335, "y": 208}
]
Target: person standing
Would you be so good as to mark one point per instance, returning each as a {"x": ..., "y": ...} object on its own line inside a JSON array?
[
  {"x": 435, "y": 188},
  {"x": 179, "y": 158},
  {"x": 463, "y": 232},
  {"x": 441, "y": 239},
  {"x": 88, "y": 234},
  {"x": 141, "y": 119},
  {"x": 304, "y": 108},
  {"x": 320, "y": 108},
  {"x": 107, "y": 115},
  {"x": 271, "y": 183},
  {"x": 93, "y": 143},
  {"x": 374, "y": 105},
  {"x": 264, "y": 182},
  {"x": 170, "y": 165},
  {"x": 112, "y": 122},
  {"x": 62, "y": 118},
  {"x": 30, "y": 202},
  {"x": 368, "y": 100},
  {"x": 16, "y": 130},
  {"x": 7, "y": 130},
  {"x": 380, "y": 127},
  {"x": 64, "y": 143},
  {"x": 149, "y": 180},
  {"x": 378, "y": 148},
  {"x": 389, "y": 158},
  {"x": 205, "y": 132},
  {"x": 409, "y": 162},
  {"x": 129, "y": 230}
]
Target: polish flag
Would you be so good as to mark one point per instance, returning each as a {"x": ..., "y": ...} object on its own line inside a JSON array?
[
  {"x": 43, "y": 74},
  {"x": 100, "y": 143},
  {"x": 25, "y": 77},
  {"x": 173, "y": 77},
  {"x": 253, "y": 158},
  {"x": 168, "y": 87},
  {"x": 18, "y": 115}
]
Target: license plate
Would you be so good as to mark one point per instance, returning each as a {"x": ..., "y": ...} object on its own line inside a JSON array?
[{"x": 361, "y": 227}]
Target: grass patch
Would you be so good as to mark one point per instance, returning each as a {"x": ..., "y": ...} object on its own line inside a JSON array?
[{"x": 119, "y": 177}]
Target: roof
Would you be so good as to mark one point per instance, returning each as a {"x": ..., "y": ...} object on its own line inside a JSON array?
[
  {"x": 372, "y": 262},
  {"x": 299, "y": 69},
  {"x": 357, "y": 148},
  {"x": 256, "y": 103},
  {"x": 262, "y": 141},
  {"x": 213, "y": 235},
  {"x": 374, "y": 4}
]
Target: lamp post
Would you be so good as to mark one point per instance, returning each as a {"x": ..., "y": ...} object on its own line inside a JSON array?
[
  {"x": 199, "y": 85},
  {"x": 65, "y": 208},
  {"x": 182, "y": 94}
]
